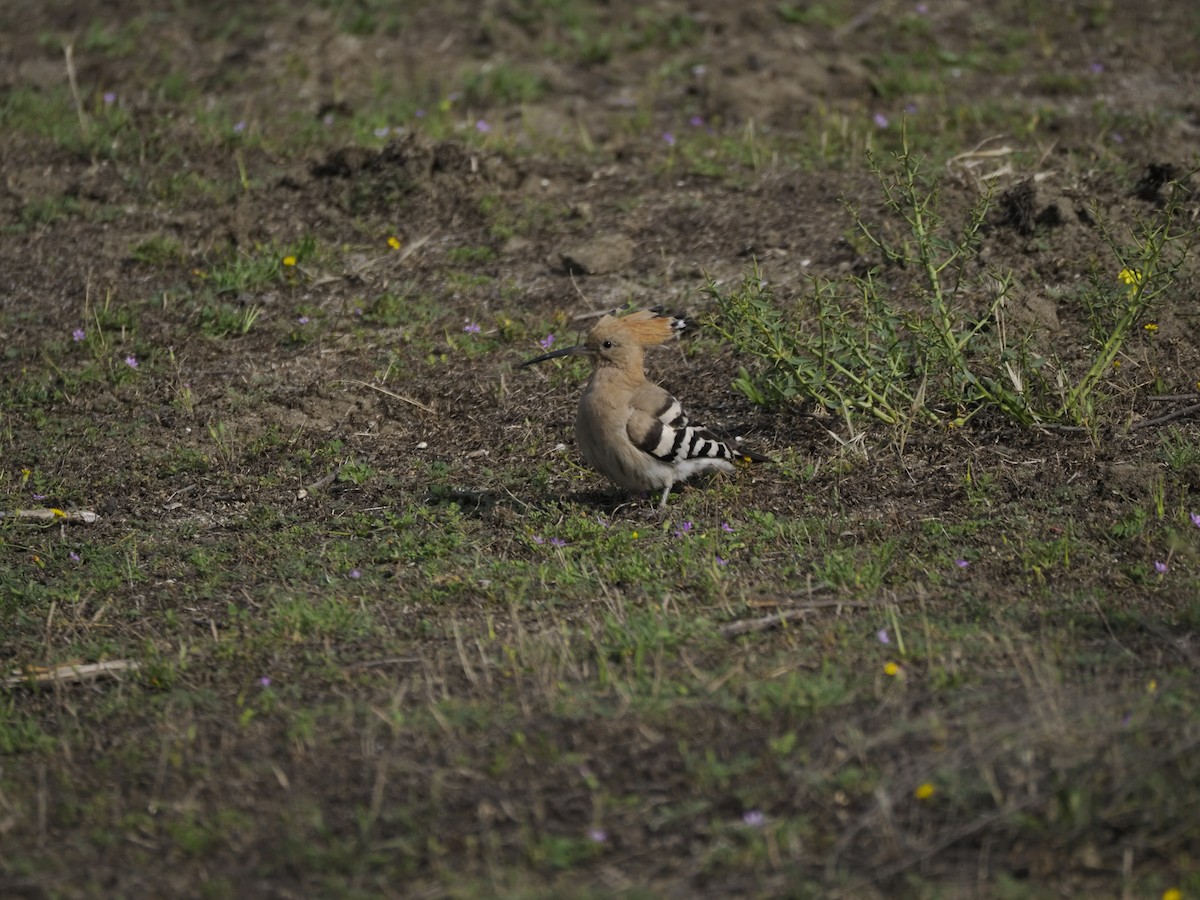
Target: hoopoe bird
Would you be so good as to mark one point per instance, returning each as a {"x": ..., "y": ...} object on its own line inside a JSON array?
[{"x": 629, "y": 429}]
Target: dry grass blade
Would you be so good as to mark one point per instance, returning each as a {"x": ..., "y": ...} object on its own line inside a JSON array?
[
  {"x": 764, "y": 623},
  {"x": 409, "y": 400},
  {"x": 70, "y": 673},
  {"x": 51, "y": 515}
]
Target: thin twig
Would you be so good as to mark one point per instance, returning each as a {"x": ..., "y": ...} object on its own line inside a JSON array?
[
  {"x": 746, "y": 626},
  {"x": 50, "y": 515},
  {"x": 1063, "y": 429},
  {"x": 1168, "y": 417},
  {"x": 323, "y": 482},
  {"x": 396, "y": 257},
  {"x": 392, "y": 394},
  {"x": 40, "y": 676}
]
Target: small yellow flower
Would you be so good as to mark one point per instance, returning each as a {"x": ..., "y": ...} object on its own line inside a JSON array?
[
  {"x": 924, "y": 791},
  {"x": 1131, "y": 277},
  {"x": 1152, "y": 686},
  {"x": 289, "y": 260},
  {"x": 635, "y": 535},
  {"x": 1151, "y": 326},
  {"x": 394, "y": 242},
  {"x": 1172, "y": 894},
  {"x": 1116, "y": 364},
  {"x": 891, "y": 669}
]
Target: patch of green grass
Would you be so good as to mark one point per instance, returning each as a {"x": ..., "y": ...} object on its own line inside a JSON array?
[
  {"x": 826, "y": 15},
  {"x": 500, "y": 84},
  {"x": 526, "y": 217},
  {"x": 368, "y": 17},
  {"x": 470, "y": 254},
  {"x": 158, "y": 250},
  {"x": 219, "y": 319},
  {"x": 659, "y": 28},
  {"x": 20, "y": 731},
  {"x": 113, "y": 40},
  {"x": 1178, "y": 450},
  {"x": 48, "y": 211},
  {"x": 182, "y": 188},
  {"x": 223, "y": 310},
  {"x": 47, "y": 113}
]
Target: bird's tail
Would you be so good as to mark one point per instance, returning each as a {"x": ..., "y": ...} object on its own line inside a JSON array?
[{"x": 745, "y": 455}]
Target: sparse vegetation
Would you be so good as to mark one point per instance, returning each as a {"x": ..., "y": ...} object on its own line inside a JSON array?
[
  {"x": 359, "y": 621},
  {"x": 924, "y": 348}
]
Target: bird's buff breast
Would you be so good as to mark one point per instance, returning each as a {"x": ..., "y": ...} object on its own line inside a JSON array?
[{"x": 606, "y": 447}]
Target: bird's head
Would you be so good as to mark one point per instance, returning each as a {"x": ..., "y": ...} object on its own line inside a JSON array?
[{"x": 620, "y": 341}]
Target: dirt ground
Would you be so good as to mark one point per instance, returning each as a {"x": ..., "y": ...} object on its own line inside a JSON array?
[{"x": 533, "y": 162}]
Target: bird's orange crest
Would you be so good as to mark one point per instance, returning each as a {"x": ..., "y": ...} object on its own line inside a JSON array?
[{"x": 647, "y": 327}]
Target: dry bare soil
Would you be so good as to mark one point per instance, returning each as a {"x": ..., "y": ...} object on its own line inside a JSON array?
[{"x": 266, "y": 272}]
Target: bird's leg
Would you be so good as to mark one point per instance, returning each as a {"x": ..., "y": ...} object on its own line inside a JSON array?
[{"x": 666, "y": 493}]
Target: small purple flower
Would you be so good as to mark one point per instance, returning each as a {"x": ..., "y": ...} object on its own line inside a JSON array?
[
  {"x": 911, "y": 108},
  {"x": 471, "y": 327},
  {"x": 109, "y": 98},
  {"x": 727, "y": 528},
  {"x": 382, "y": 132},
  {"x": 961, "y": 563},
  {"x": 1160, "y": 567},
  {"x": 721, "y": 561},
  {"x": 131, "y": 361},
  {"x": 78, "y": 335},
  {"x": 420, "y": 114},
  {"x": 1118, "y": 138},
  {"x": 1196, "y": 519},
  {"x": 669, "y": 138},
  {"x": 922, "y": 9},
  {"x": 754, "y": 818},
  {"x": 355, "y": 574},
  {"x": 303, "y": 320},
  {"x": 38, "y": 496},
  {"x": 73, "y": 556},
  {"x": 264, "y": 681},
  {"x": 482, "y": 126},
  {"x": 881, "y": 120},
  {"x": 239, "y": 127},
  {"x": 547, "y": 342},
  {"x": 328, "y": 120},
  {"x": 684, "y": 530},
  {"x": 557, "y": 542},
  {"x": 696, "y": 121},
  {"x": 1096, "y": 68},
  {"x": 883, "y": 636},
  {"x": 597, "y": 835},
  {"x": 538, "y": 539}
]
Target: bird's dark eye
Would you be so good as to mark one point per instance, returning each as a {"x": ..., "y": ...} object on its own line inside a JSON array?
[{"x": 607, "y": 345}]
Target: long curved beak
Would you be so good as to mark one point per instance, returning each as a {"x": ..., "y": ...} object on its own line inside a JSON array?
[{"x": 577, "y": 350}]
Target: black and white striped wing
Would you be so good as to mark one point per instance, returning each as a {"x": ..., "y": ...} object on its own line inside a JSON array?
[{"x": 667, "y": 435}]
